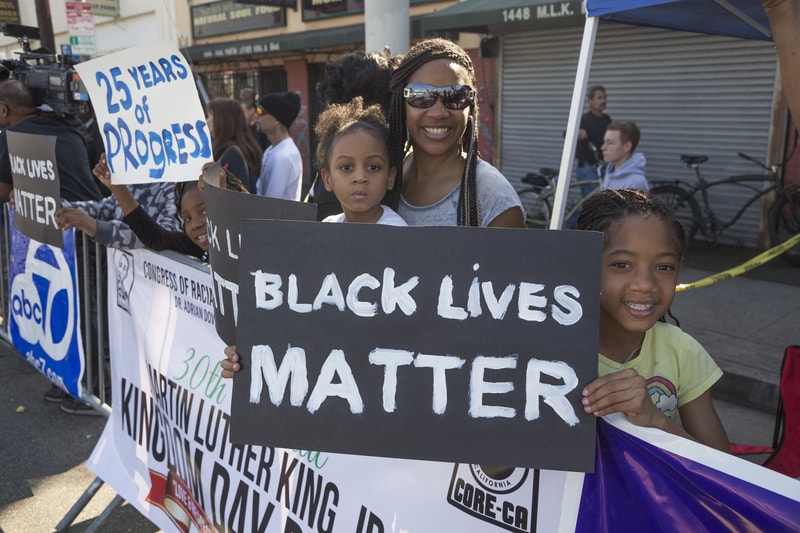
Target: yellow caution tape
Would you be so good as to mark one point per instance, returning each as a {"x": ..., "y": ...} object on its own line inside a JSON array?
[{"x": 757, "y": 261}]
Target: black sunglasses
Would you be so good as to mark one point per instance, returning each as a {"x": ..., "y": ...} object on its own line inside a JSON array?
[{"x": 423, "y": 96}]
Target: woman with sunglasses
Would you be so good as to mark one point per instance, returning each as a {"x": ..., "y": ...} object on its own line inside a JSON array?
[{"x": 434, "y": 129}]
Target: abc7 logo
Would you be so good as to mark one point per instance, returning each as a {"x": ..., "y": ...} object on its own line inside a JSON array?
[{"x": 46, "y": 318}]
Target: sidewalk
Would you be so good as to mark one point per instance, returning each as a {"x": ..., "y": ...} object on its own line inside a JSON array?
[{"x": 745, "y": 323}]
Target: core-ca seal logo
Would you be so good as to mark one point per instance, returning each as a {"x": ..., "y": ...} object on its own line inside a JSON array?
[
  {"x": 43, "y": 300},
  {"x": 503, "y": 496}
]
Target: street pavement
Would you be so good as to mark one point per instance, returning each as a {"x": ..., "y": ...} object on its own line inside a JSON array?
[{"x": 745, "y": 323}]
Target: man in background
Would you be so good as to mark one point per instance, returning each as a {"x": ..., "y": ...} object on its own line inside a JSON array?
[
  {"x": 625, "y": 167},
  {"x": 590, "y": 138},
  {"x": 251, "y": 117},
  {"x": 282, "y": 165}
]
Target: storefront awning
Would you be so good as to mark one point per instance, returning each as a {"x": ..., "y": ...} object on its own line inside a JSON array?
[{"x": 502, "y": 16}]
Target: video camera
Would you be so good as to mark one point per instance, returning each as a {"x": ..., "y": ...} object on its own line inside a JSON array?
[{"x": 52, "y": 80}]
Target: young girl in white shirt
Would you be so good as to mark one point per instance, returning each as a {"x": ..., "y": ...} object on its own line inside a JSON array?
[{"x": 354, "y": 162}]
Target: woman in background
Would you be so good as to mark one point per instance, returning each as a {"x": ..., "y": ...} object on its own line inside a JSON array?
[{"x": 232, "y": 142}]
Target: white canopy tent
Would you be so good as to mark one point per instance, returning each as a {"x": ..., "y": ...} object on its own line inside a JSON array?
[{"x": 735, "y": 18}]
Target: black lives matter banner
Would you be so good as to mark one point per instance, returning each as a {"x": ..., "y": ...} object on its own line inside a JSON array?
[
  {"x": 37, "y": 192},
  {"x": 468, "y": 345},
  {"x": 224, "y": 210}
]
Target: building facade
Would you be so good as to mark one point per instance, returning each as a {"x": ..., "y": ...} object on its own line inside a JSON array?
[
  {"x": 689, "y": 93},
  {"x": 233, "y": 45}
]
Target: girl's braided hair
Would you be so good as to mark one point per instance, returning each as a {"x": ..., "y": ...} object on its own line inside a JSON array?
[
  {"x": 430, "y": 50},
  {"x": 604, "y": 207}
]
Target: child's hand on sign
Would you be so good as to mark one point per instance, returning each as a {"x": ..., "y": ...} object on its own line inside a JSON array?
[
  {"x": 623, "y": 391},
  {"x": 230, "y": 365},
  {"x": 102, "y": 172},
  {"x": 68, "y": 217}
]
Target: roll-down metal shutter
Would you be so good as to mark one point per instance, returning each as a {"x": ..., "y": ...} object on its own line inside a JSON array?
[{"x": 689, "y": 94}]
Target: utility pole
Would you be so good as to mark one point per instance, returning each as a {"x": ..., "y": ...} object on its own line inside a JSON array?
[
  {"x": 45, "y": 23},
  {"x": 386, "y": 23}
]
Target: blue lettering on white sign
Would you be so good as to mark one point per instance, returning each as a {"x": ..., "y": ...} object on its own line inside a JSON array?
[{"x": 130, "y": 145}]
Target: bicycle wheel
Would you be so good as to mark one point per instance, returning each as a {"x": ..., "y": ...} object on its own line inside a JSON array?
[
  {"x": 683, "y": 206},
  {"x": 784, "y": 223},
  {"x": 537, "y": 209}
]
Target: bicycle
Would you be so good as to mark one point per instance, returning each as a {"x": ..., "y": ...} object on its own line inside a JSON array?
[
  {"x": 698, "y": 217},
  {"x": 537, "y": 198}
]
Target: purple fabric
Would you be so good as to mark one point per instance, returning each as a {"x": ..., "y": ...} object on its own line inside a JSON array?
[{"x": 639, "y": 487}]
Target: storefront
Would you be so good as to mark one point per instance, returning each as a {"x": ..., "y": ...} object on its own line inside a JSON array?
[{"x": 274, "y": 48}]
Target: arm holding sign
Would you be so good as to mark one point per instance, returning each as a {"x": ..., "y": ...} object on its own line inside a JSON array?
[
  {"x": 110, "y": 233},
  {"x": 102, "y": 219},
  {"x": 192, "y": 241},
  {"x": 69, "y": 217},
  {"x": 121, "y": 192},
  {"x": 626, "y": 391}
]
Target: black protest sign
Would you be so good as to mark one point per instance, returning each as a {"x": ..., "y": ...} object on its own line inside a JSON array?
[
  {"x": 224, "y": 210},
  {"x": 453, "y": 344},
  {"x": 37, "y": 193}
]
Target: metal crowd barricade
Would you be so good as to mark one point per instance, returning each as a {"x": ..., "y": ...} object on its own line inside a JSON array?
[
  {"x": 95, "y": 376},
  {"x": 91, "y": 270},
  {"x": 100, "y": 400}
]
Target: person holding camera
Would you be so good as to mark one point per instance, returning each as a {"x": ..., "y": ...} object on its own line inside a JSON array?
[{"x": 18, "y": 112}]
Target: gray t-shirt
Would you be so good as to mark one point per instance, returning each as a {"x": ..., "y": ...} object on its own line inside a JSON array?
[{"x": 495, "y": 195}]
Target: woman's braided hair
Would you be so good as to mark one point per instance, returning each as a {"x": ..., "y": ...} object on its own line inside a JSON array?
[{"x": 469, "y": 213}]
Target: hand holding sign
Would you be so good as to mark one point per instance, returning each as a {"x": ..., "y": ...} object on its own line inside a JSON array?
[
  {"x": 69, "y": 218},
  {"x": 102, "y": 172},
  {"x": 230, "y": 365}
]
